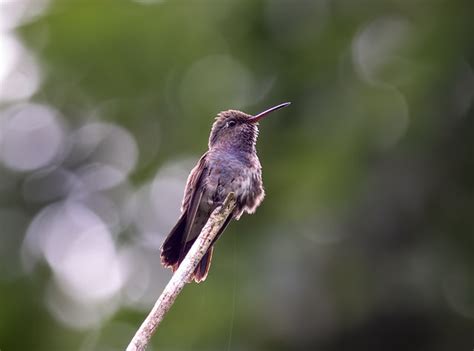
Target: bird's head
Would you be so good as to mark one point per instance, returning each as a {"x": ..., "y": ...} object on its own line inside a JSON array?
[{"x": 236, "y": 128}]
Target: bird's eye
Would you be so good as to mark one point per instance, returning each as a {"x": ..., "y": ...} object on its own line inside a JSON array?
[{"x": 231, "y": 123}]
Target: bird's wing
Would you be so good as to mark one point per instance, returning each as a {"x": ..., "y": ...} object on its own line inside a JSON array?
[
  {"x": 193, "y": 184},
  {"x": 174, "y": 246},
  {"x": 192, "y": 197}
]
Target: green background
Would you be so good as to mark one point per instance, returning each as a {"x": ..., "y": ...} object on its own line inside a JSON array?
[{"x": 365, "y": 240}]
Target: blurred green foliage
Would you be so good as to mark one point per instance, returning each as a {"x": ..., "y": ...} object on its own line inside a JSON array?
[{"x": 365, "y": 240}]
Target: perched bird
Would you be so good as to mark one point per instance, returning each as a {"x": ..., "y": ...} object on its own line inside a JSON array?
[{"x": 230, "y": 165}]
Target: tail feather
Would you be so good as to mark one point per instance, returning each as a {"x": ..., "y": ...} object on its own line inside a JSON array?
[
  {"x": 171, "y": 248},
  {"x": 200, "y": 273},
  {"x": 175, "y": 248}
]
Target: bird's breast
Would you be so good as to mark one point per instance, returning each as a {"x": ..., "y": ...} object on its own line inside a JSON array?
[{"x": 240, "y": 175}]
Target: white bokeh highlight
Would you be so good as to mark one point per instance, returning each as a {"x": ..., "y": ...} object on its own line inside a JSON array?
[
  {"x": 78, "y": 247},
  {"x": 88, "y": 204},
  {"x": 107, "y": 154},
  {"x": 378, "y": 46},
  {"x": 32, "y": 137},
  {"x": 19, "y": 72}
]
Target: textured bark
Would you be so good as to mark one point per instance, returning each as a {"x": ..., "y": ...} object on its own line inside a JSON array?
[{"x": 182, "y": 275}]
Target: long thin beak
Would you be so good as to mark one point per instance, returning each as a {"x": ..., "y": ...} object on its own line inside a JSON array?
[{"x": 258, "y": 117}]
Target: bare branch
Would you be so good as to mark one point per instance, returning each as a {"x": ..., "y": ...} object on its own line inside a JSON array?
[{"x": 182, "y": 275}]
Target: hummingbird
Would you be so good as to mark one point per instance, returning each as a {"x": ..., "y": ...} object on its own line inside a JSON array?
[{"x": 230, "y": 164}]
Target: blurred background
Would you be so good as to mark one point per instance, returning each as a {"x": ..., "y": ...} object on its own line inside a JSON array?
[{"x": 365, "y": 240}]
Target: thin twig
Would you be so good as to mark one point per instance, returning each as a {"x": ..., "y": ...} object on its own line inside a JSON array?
[{"x": 182, "y": 275}]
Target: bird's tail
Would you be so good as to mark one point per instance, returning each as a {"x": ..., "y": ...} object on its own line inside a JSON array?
[
  {"x": 173, "y": 244},
  {"x": 175, "y": 248},
  {"x": 200, "y": 273}
]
